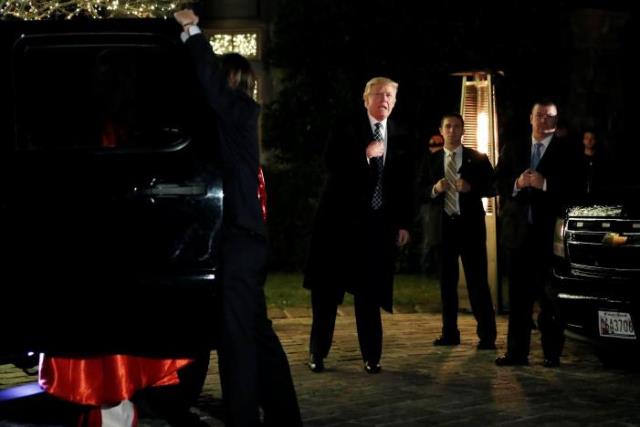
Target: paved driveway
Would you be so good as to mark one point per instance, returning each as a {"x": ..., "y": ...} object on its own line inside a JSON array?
[{"x": 422, "y": 385}]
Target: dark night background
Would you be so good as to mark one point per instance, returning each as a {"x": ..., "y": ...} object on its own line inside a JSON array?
[
  {"x": 580, "y": 54},
  {"x": 319, "y": 54}
]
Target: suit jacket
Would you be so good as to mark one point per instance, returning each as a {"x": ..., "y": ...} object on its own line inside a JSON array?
[
  {"x": 236, "y": 141},
  {"x": 555, "y": 166},
  {"x": 476, "y": 169},
  {"x": 337, "y": 258},
  {"x": 596, "y": 176}
]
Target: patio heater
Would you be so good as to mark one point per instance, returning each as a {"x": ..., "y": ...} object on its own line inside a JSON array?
[{"x": 478, "y": 108}]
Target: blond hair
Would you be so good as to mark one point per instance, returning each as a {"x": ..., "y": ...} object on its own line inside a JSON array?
[{"x": 378, "y": 81}]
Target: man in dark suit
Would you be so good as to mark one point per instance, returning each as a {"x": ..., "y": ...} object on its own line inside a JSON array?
[
  {"x": 533, "y": 180},
  {"x": 254, "y": 370},
  {"x": 363, "y": 216},
  {"x": 455, "y": 181}
]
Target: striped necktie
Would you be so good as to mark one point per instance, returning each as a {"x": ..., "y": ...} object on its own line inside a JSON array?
[{"x": 451, "y": 175}]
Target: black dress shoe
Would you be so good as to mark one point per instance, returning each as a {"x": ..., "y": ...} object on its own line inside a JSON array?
[
  {"x": 509, "y": 360},
  {"x": 444, "y": 340},
  {"x": 315, "y": 364},
  {"x": 486, "y": 345},
  {"x": 372, "y": 368},
  {"x": 551, "y": 362}
]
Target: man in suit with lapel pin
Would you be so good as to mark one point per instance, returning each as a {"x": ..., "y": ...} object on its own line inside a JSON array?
[{"x": 454, "y": 183}]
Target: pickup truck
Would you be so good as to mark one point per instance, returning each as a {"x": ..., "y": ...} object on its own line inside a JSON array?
[{"x": 597, "y": 275}]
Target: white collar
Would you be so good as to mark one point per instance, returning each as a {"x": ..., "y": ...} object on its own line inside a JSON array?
[
  {"x": 458, "y": 151},
  {"x": 544, "y": 141},
  {"x": 373, "y": 121}
]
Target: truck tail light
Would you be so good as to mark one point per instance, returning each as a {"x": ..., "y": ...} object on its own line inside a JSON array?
[{"x": 558, "y": 238}]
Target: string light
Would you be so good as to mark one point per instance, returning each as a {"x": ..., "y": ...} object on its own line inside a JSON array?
[{"x": 33, "y": 10}]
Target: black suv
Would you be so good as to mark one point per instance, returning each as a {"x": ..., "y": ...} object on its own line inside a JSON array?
[
  {"x": 597, "y": 275},
  {"x": 111, "y": 200}
]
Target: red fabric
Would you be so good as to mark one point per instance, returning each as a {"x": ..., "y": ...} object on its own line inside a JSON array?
[
  {"x": 105, "y": 379},
  {"x": 262, "y": 193},
  {"x": 112, "y": 135}
]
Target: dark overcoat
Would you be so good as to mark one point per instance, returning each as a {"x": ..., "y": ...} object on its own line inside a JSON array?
[{"x": 347, "y": 253}]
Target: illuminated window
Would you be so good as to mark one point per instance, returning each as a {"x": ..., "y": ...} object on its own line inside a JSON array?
[{"x": 246, "y": 44}]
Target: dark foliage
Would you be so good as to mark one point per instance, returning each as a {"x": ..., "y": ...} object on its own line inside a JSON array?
[{"x": 325, "y": 50}]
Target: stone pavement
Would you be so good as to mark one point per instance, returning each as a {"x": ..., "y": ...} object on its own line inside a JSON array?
[{"x": 422, "y": 385}]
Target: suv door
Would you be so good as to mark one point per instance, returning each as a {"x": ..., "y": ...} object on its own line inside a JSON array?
[{"x": 111, "y": 198}]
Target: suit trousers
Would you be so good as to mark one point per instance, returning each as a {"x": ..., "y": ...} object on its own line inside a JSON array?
[
  {"x": 529, "y": 271},
  {"x": 254, "y": 370},
  {"x": 324, "y": 307},
  {"x": 465, "y": 240}
]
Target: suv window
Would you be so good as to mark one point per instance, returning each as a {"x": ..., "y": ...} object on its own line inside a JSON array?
[{"x": 101, "y": 94}]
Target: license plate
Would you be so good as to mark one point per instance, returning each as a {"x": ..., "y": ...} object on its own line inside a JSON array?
[{"x": 616, "y": 324}]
